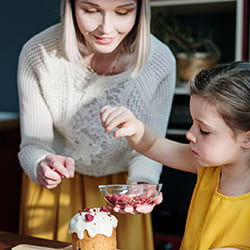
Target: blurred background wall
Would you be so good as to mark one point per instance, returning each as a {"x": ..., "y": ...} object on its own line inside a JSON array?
[{"x": 19, "y": 21}]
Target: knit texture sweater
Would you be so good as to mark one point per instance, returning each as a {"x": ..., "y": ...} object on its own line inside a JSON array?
[{"x": 60, "y": 104}]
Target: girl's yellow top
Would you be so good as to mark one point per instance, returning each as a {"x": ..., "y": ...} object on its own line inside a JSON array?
[{"x": 215, "y": 220}]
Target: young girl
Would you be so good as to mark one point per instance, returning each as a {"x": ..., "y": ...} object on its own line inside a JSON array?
[
  {"x": 101, "y": 53},
  {"x": 219, "y": 152}
]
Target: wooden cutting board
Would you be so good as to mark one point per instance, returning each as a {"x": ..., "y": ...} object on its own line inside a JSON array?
[{"x": 33, "y": 247}]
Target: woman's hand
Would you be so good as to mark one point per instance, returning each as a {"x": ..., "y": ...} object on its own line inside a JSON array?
[
  {"x": 141, "y": 209},
  {"x": 53, "y": 168}
]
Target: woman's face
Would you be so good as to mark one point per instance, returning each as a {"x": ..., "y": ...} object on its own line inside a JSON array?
[{"x": 105, "y": 23}]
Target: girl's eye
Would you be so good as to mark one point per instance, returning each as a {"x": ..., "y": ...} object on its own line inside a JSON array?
[{"x": 204, "y": 132}]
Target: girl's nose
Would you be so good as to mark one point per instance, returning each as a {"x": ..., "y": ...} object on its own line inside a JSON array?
[
  {"x": 190, "y": 135},
  {"x": 107, "y": 25}
]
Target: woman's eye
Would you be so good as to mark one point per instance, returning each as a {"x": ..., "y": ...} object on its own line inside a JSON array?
[
  {"x": 122, "y": 12},
  {"x": 90, "y": 10}
]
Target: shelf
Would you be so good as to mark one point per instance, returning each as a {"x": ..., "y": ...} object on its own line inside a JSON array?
[
  {"x": 181, "y": 89},
  {"x": 6, "y": 116},
  {"x": 219, "y": 20},
  {"x": 185, "y": 2},
  {"x": 172, "y": 131},
  {"x": 8, "y": 120},
  {"x": 194, "y": 7}
]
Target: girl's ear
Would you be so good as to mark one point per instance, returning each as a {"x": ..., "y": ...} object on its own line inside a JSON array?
[{"x": 246, "y": 142}]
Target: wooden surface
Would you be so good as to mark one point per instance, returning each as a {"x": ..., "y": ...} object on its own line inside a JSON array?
[{"x": 10, "y": 240}]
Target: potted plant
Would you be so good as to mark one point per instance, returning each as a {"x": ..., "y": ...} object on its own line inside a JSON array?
[{"x": 193, "y": 52}]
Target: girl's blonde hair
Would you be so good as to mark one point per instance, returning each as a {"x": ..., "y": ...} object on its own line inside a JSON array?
[{"x": 136, "y": 42}]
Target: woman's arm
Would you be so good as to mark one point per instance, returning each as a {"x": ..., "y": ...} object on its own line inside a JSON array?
[
  {"x": 35, "y": 120},
  {"x": 36, "y": 124}
]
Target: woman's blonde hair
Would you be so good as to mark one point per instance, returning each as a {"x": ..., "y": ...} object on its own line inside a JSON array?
[{"x": 136, "y": 42}]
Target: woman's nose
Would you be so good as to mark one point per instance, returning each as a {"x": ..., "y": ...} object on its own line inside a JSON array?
[
  {"x": 107, "y": 24},
  {"x": 190, "y": 135}
]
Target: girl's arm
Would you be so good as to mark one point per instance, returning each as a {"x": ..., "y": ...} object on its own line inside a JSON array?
[{"x": 145, "y": 141}]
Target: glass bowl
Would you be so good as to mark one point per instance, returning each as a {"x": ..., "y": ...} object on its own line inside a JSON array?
[{"x": 134, "y": 195}]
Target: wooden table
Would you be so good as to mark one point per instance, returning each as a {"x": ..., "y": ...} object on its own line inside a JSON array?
[{"x": 9, "y": 240}]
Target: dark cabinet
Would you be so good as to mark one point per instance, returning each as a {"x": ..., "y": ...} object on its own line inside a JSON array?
[{"x": 10, "y": 177}]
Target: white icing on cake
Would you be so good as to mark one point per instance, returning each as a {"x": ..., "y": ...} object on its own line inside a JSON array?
[{"x": 102, "y": 223}]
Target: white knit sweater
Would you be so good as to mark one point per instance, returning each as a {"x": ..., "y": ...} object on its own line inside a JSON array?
[{"x": 60, "y": 104}]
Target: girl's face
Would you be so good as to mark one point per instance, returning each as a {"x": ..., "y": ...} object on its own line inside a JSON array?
[
  {"x": 105, "y": 23},
  {"x": 211, "y": 140}
]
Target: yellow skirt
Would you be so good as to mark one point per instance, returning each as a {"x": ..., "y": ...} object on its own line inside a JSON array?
[{"x": 46, "y": 213}]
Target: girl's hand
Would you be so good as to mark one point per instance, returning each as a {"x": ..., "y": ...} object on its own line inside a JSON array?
[
  {"x": 119, "y": 117},
  {"x": 53, "y": 168}
]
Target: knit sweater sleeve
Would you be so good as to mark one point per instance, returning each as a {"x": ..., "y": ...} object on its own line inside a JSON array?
[
  {"x": 35, "y": 119},
  {"x": 162, "y": 66}
]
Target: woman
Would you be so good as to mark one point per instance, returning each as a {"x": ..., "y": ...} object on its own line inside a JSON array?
[{"x": 101, "y": 52}]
